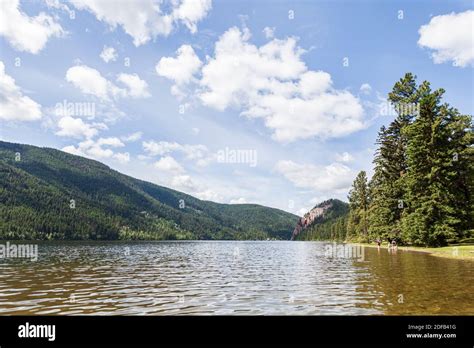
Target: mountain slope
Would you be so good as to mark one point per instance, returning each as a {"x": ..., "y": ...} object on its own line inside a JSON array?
[
  {"x": 50, "y": 194},
  {"x": 326, "y": 221}
]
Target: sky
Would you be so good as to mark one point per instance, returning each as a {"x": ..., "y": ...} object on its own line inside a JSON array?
[{"x": 270, "y": 102}]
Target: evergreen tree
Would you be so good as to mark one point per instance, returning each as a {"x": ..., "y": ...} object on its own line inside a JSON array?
[
  {"x": 358, "y": 203},
  {"x": 387, "y": 186},
  {"x": 437, "y": 181},
  {"x": 423, "y": 182}
]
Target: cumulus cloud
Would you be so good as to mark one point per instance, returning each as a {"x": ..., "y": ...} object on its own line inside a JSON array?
[
  {"x": 132, "y": 137},
  {"x": 269, "y": 32},
  {"x": 273, "y": 83},
  {"x": 365, "y": 88},
  {"x": 14, "y": 106},
  {"x": 122, "y": 157},
  {"x": 199, "y": 153},
  {"x": 187, "y": 184},
  {"x": 110, "y": 141},
  {"x": 144, "y": 20},
  {"x": 181, "y": 69},
  {"x": 99, "y": 149},
  {"x": 170, "y": 165},
  {"x": 137, "y": 88},
  {"x": 108, "y": 54},
  {"x": 344, "y": 157},
  {"x": 209, "y": 195},
  {"x": 450, "y": 37},
  {"x": 240, "y": 200},
  {"x": 90, "y": 81},
  {"x": 175, "y": 176},
  {"x": 190, "y": 12},
  {"x": 25, "y": 33},
  {"x": 332, "y": 177},
  {"x": 302, "y": 211},
  {"x": 77, "y": 128}
]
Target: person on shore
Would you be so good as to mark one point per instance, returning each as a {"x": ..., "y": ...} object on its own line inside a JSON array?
[{"x": 394, "y": 244}]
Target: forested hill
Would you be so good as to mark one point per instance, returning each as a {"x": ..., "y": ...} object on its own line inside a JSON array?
[
  {"x": 49, "y": 194},
  {"x": 326, "y": 221}
]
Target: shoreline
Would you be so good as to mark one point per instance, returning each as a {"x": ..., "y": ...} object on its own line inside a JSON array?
[{"x": 463, "y": 252}]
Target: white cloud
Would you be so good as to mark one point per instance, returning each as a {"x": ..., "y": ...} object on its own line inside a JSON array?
[
  {"x": 144, "y": 20},
  {"x": 132, "y": 137},
  {"x": 99, "y": 152},
  {"x": 137, "y": 88},
  {"x": 344, "y": 157},
  {"x": 111, "y": 141},
  {"x": 60, "y": 5},
  {"x": 181, "y": 69},
  {"x": 240, "y": 200},
  {"x": 302, "y": 211},
  {"x": 122, "y": 157},
  {"x": 159, "y": 148},
  {"x": 450, "y": 37},
  {"x": 181, "y": 181},
  {"x": 174, "y": 174},
  {"x": 190, "y": 12},
  {"x": 90, "y": 81},
  {"x": 186, "y": 184},
  {"x": 25, "y": 33},
  {"x": 365, "y": 88},
  {"x": 14, "y": 106},
  {"x": 108, "y": 54},
  {"x": 77, "y": 128},
  {"x": 273, "y": 83},
  {"x": 170, "y": 165},
  {"x": 198, "y": 152},
  {"x": 333, "y": 177},
  {"x": 209, "y": 195},
  {"x": 97, "y": 149},
  {"x": 269, "y": 32}
]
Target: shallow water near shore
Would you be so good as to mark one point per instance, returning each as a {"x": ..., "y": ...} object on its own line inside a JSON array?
[{"x": 231, "y": 278}]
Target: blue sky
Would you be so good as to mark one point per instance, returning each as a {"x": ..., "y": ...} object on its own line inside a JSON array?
[{"x": 179, "y": 87}]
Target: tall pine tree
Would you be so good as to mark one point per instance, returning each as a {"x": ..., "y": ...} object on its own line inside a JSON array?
[
  {"x": 437, "y": 182},
  {"x": 387, "y": 187},
  {"x": 422, "y": 190},
  {"x": 358, "y": 204}
]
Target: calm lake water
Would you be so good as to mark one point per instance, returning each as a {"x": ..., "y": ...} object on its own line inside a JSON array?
[{"x": 205, "y": 278}]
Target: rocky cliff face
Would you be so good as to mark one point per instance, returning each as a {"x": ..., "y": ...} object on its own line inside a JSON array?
[{"x": 315, "y": 214}]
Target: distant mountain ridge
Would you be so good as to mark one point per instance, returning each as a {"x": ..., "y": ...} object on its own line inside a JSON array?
[
  {"x": 49, "y": 194},
  {"x": 325, "y": 221}
]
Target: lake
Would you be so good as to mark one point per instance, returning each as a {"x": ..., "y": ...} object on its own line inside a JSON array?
[{"x": 231, "y": 278}]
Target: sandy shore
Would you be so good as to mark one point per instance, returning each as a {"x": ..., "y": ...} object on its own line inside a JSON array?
[{"x": 459, "y": 252}]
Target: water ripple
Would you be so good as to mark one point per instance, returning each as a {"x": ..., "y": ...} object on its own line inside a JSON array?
[{"x": 237, "y": 278}]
